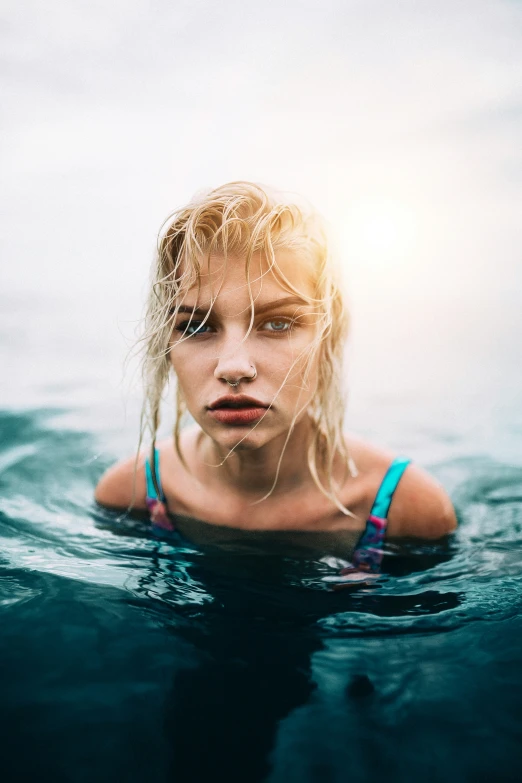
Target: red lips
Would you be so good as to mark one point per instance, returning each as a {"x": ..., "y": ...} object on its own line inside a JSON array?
[{"x": 237, "y": 409}]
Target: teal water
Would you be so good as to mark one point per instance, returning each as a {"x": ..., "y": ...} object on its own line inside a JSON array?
[{"x": 127, "y": 655}]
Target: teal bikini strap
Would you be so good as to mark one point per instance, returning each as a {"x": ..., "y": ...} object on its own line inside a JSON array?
[
  {"x": 382, "y": 502},
  {"x": 154, "y": 490},
  {"x": 368, "y": 553}
]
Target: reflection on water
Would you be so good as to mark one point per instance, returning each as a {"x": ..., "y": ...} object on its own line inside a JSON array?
[
  {"x": 181, "y": 661},
  {"x": 253, "y": 661}
]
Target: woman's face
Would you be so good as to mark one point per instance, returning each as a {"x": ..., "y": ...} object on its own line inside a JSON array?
[{"x": 266, "y": 367}]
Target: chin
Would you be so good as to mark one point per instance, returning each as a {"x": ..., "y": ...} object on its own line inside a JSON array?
[{"x": 242, "y": 438}]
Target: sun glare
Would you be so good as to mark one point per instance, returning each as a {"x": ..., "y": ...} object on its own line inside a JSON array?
[{"x": 379, "y": 233}]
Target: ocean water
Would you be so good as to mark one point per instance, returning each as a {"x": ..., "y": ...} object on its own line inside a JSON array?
[{"x": 125, "y": 655}]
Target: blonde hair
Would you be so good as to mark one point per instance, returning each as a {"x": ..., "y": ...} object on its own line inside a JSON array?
[{"x": 246, "y": 218}]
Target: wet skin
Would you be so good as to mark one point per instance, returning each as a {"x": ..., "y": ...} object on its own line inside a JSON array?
[{"x": 219, "y": 350}]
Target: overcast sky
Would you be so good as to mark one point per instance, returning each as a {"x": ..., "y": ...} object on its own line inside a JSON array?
[{"x": 400, "y": 119}]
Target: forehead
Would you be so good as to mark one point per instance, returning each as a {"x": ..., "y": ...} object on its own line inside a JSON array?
[{"x": 226, "y": 277}]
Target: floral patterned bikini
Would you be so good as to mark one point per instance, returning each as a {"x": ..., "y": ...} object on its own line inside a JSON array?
[{"x": 368, "y": 552}]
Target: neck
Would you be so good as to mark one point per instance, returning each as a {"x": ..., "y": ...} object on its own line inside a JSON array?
[{"x": 253, "y": 472}]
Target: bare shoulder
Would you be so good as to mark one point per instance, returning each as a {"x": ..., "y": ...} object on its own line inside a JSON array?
[
  {"x": 123, "y": 485},
  {"x": 420, "y": 506}
]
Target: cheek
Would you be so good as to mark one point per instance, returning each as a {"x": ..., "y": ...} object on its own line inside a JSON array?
[
  {"x": 278, "y": 364},
  {"x": 287, "y": 363},
  {"x": 189, "y": 366},
  {"x": 299, "y": 376}
]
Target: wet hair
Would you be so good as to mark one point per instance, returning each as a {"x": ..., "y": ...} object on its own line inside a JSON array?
[{"x": 243, "y": 219}]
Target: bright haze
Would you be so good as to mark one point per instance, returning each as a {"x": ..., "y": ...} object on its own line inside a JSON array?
[{"x": 400, "y": 121}]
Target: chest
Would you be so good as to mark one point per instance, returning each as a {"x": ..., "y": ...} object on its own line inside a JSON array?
[
  {"x": 305, "y": 511},
  {"x": 306, "y": 528}
]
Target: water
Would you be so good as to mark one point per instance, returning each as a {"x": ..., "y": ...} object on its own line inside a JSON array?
[{"x": 127, "y": 655}]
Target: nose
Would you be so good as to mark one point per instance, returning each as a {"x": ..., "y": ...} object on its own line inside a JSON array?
[{"x": 235, "y": 363}]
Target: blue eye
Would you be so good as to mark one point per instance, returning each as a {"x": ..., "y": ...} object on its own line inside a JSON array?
[
  {"x": 278, "y": 325},
  {"x": 189, "y": 328}
]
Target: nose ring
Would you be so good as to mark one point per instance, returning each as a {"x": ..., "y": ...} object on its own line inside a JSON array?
[{"x": 247, "y": 377}]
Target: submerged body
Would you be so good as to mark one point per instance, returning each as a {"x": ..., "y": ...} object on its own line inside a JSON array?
[
  {"x": 301, "y": 521},
  {"x": 253, "y": 334}
]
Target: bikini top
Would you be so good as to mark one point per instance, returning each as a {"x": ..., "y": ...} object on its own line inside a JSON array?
[{"x": 368, "y": 552}]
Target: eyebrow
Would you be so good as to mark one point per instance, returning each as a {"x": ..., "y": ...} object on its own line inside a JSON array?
[{"x": 283, "y": 302}]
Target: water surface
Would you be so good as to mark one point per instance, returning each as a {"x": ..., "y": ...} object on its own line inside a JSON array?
[{"x": 127, "y": 655}]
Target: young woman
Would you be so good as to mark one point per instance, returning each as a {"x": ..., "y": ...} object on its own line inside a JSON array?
[{"x": 246, "y": 314}]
